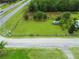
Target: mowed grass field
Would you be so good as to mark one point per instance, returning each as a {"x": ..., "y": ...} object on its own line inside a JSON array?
[
  {"x": 36, "y": 53},
  {"x": 17, "y": 25},
  {"x": 75, "y": 51},
  {"x": 40, "y": 28}
]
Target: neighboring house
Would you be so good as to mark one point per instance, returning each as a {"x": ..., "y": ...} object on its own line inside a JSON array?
[
  {"x": 77, "y": 24},
  {"x": 56, "y": 22}
]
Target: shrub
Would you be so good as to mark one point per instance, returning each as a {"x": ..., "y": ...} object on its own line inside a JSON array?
[
  {"x": 74, "y": 19},
  {"x": 26, "y": 17},
  {"x": 66, "y": 15},
  {"x": 39, "y": 16},
  {"x": 71, "y": 29},
  {"x": 58, "y": 19},
  {"x": 2, "y": 44}
]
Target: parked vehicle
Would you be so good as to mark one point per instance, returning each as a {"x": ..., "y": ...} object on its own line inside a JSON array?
[
  {"x": 56, "y": 22},
  {"x": 77, "y": 24}
]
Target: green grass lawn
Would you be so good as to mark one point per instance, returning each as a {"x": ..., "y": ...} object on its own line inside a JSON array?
[
  {"x": 75, "y": 51},
  {"x": 31, "y": 27},
  {"x": 36, "y": 53},
  {"x": 40, "y": 28}
]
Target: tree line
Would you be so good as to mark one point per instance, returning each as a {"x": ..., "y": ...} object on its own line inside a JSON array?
[
  {"x": 8, "y": 1},
  {"x": 54, "y": 5}
]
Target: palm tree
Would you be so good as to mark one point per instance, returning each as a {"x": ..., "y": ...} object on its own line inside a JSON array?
[
  {"x": 2, "y": 51},
  {"x": 2, "y": 44}
]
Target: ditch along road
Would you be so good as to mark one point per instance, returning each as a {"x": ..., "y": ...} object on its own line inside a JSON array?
[
  {"x": 9, "y": 15},
  {"x": 62, "y": 43}
]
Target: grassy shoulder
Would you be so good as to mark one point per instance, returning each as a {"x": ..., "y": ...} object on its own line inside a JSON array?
[
  {"x": 8, "y": 4},
  {"x": 33, "y": 53},
  {"x": 75, "y": 51}
]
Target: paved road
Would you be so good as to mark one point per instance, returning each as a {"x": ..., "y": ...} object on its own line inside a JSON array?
[
  {"x": 43, "y": 42},
  {"x": 10, "y": 7},
  {"x": 7, "y": 17},
  {"x": 63, "y": 43},
  {"x": 2, "y": 4}
]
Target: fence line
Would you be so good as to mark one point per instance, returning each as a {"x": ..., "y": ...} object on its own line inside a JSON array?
[{"x": 56, "y": 35}]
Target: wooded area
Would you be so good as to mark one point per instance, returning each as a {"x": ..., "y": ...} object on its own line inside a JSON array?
[
  {"x": 54, "y": 5},
  {"x": 3, "y": 1}
]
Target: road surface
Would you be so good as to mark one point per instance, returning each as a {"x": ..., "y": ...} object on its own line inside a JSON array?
[
  {"x": 10, "y": 7},
  {"x": 2, "y": 4},
  {"x": 63, "y": 43},
  {"x": 8, "y": 16},
  {"x": 42, "y": 42}
]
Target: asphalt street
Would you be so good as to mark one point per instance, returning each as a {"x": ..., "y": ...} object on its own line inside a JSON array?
[{"x": 8, "y": 16}]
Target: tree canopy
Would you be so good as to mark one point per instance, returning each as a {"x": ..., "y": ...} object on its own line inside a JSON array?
[
  {"x": 54, "y": 5},
  {"x": 2, "y": 1}
]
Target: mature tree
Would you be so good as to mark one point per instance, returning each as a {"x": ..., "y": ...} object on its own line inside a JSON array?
[
  {"x": 40, "y": 16},
  {"x": 65, "y": 20},
  {"x": 58, "y": 19},
  {"x": 71, "y": 29},
  {"x": 26, "y": 16}
]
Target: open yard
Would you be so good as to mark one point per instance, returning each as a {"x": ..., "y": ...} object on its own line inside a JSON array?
[
  {"x": 34, "y": 53},
  {"x": 19, "y": 27}
]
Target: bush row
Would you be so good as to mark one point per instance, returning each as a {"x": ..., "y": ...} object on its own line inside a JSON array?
[{"x": 38, "y": 16}]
